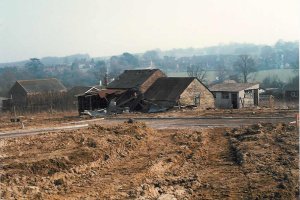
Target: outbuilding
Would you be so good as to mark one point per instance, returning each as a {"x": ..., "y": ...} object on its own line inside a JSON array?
[
  {"x": 236, "y": 95},
  {"x": 180, "y": 91},
  {"x": 38, "y": 95}
]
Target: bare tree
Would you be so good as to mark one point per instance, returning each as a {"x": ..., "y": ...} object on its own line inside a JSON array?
[
  {"x": 245, "y": 65},
  {"x": 221, "y": 73},
  {"x": 197, "y": 71}
]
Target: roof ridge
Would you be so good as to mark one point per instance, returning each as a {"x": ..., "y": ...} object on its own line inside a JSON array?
[
  {"x": 41, "y": 84},
  {"x": 39, "y": 79},
  {"x": 22, "y": 86},
  {"x": 141, "y": 69}
]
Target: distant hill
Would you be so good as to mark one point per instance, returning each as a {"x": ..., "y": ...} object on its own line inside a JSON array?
[
  {"x": 13, "y": 64},
  {"x": 281, "y": 53},
  {"x": 228, "y": 49},
  {"x": 48, "y": 61},
  {"x": 64, "y": 60},
  {"x": 284, "y": 75}
]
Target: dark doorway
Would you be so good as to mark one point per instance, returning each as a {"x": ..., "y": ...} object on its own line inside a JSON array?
[
  {"x": 234, "y": 100},
  {"x": 256, "y": 97}
]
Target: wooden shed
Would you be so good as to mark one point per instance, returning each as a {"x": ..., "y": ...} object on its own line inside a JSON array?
[
  {"x": 38, "y": 95},
  {"x": 73, "y": 93}
]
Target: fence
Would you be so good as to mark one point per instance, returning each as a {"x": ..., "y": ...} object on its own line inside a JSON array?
[
  {"x": 270, "y": 101},
  {"x": 47, "y": 102}
]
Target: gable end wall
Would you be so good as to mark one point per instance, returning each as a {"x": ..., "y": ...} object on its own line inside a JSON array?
[
  {"x": 18, "y": 94},
  {"x": 195, "y": 88}
]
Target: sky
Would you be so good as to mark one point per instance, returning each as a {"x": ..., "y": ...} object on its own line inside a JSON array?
[{"x": 39, "y": 28}]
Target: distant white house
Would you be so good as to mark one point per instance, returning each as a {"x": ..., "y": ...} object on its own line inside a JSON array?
[{"x": 235, "y": 95}]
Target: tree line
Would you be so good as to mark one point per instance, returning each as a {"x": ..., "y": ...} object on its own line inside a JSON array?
[{"x": 233, "y": 61}]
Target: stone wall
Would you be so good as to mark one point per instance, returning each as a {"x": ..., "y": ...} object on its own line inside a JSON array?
[{"x": 195, "y": 89}]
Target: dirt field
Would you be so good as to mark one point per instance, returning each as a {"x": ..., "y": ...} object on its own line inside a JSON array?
[
  {"x": 134, "y": 161},
  {"x": 36, "y": 120}
]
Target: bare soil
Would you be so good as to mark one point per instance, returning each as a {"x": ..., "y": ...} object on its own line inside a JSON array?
[
  {"x": 133, "y": 161},
  {"x": 42, "y": 120},
  {"x": 37, "y": 120}
]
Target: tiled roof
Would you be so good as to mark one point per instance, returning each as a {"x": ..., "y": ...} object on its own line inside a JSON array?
[
  {"x": 132, "y": 79},
  {"x": 168, "y": 88}
]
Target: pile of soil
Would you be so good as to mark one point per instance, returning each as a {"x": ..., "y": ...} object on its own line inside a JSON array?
[{"x": 40, "y": 166}]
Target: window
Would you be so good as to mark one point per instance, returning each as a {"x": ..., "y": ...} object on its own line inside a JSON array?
[
  {"x": 197, "y": 100},
  {"x": 225, "y": 95},
  {"x": 248, "y": 94}
]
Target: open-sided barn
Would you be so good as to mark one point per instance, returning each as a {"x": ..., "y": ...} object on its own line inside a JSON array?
[
  {"x": 74, "y": 92},
  {"x": 95, "y": 99}
]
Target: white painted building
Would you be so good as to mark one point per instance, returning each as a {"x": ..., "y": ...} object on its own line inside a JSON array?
[{"x": 235, "y": 95}]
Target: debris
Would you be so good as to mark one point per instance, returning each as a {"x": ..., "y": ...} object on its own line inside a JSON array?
[
  {"x": 130, "y": 120},
  {"x": 96, "y": 113},
  {"x": 58, "y": 182},
  {"x": 15, "y": 119},
  {"x": 156, "y": 108},
  {"x": 106, "y": 157}
]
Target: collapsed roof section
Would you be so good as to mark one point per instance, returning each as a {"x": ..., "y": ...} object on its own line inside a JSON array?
[{"x": 148, "y": 90}]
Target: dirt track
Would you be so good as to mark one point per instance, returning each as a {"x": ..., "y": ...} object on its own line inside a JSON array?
[
  {"x": 132, "y": 161},
  {"x": 47, "y": 120},
  {"x": 194, "y": 123},
  {"x": 157, "y": 123}
]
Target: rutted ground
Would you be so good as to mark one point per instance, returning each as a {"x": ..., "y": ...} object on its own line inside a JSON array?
[{"x": 132, "y": 161}]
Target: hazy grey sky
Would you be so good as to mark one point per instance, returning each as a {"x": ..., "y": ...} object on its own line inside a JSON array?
[{"x": 37, "y": 28}]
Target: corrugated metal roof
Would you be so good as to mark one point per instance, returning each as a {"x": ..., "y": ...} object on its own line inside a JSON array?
[
  {"x": 132, "y": 78},
  {"x": 42, "y": 85},
  {"x": 232, "y": 87},
  {"x": 168, "y": 88}
]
